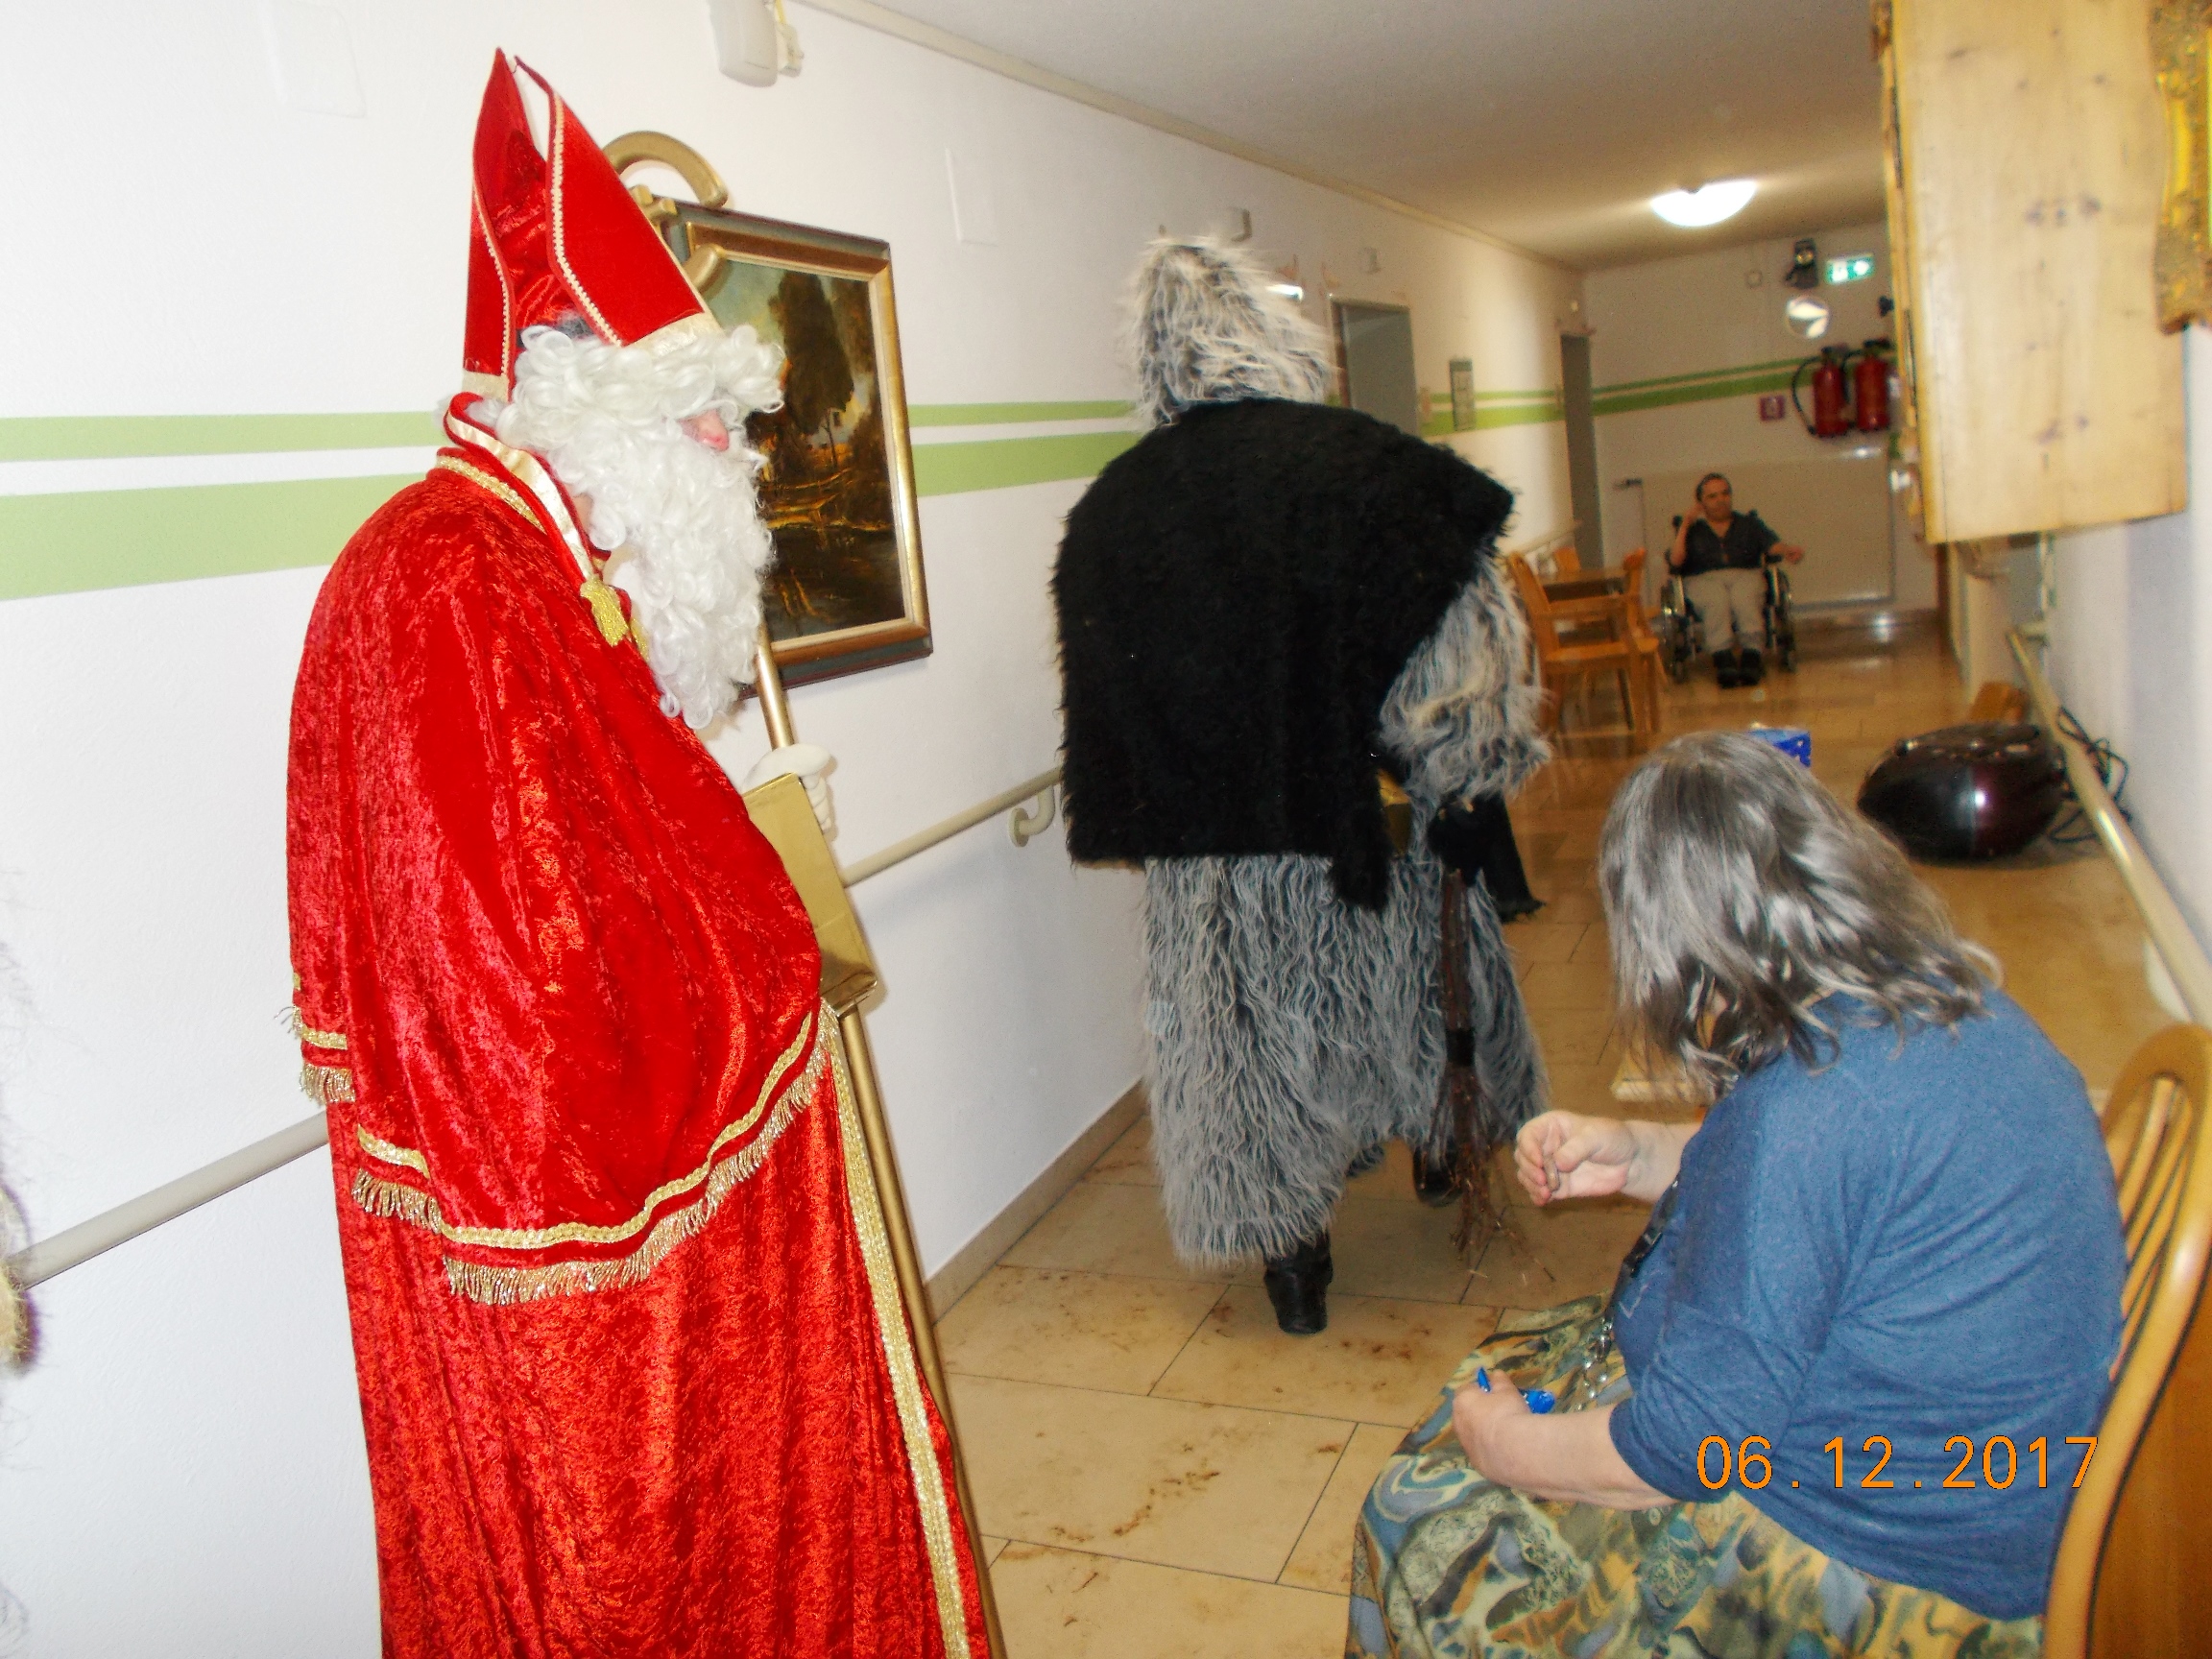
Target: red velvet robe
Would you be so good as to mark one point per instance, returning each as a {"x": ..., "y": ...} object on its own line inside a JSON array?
[{"x": 633, "y": 1371}]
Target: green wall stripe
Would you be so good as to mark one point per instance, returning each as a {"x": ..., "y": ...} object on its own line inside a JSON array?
[
  {"x": 126, "y": 537},
  {"x": 1439, "y": 424},
  {"x": 1007, "y": 414},
  {"x": 1003, "y": 462},
  {"x": 1703, "y": 375},
  {"x": 1518, "y": 414},
  {"x": 109, "y": 437},
  {"x": 106, "y": 437},
  {"x": 1611, "y": 402}
]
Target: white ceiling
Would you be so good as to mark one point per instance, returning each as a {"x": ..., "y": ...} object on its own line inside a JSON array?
[{"x": 1547, "y": 123}]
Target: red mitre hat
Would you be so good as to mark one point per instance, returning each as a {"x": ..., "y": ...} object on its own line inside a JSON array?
[{"x": 555, "y": 236}]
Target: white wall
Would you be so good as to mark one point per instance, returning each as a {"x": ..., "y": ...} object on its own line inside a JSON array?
[
  {"x": 1685, "y": 318},
  {"x": 181, "y": 1472},
  {"x": 2131, "y": 655}
]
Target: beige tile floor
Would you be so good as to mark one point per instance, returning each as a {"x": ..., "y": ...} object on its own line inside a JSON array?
[{"x": 1160, "y": 1471}]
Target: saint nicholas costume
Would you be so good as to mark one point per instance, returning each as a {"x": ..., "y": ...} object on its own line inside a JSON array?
[
  {"x": 635, "y": 1372},
  {"x": 1263, "y": 606}
]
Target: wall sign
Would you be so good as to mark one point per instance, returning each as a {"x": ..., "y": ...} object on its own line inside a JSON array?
[{"x": 1462, "y": 394}]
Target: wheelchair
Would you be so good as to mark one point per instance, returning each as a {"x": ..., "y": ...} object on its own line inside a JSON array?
[{"x": 1681, "y": 628}]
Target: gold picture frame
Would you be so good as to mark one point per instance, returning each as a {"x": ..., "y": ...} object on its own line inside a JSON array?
[
  {"x": 847, "y": 592},
  {"x": 2180, "y": 38}
]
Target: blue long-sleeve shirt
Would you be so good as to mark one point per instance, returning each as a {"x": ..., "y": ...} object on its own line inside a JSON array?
[{"x": 1917, "y": 1243}]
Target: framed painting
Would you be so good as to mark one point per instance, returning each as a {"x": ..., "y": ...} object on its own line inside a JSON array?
[
  {"x": 846, "y": 592},
  {"x": 2182, "y": 258}
]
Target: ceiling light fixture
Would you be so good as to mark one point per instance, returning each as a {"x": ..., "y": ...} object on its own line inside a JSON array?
[{"x": 1707, "y": 204}]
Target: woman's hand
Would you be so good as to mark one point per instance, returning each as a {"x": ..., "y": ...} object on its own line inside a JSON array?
[
  {"x": 1482, "y": 1416},
  {"x": 1566, "y": 1154},
  {"x": 1568, "y": 1456}
]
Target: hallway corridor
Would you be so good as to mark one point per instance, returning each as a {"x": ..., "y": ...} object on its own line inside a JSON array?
[{"x": 1161, "y": 1470}]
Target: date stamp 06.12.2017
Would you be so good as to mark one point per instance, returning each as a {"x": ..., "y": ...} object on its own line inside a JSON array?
[{"x": 1995, "y": 1462}]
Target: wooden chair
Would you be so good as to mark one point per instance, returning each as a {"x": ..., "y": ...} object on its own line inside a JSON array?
[
  {"x": 1647, "y": 660},
  {"x": 1560, "y": 662},
  {"x": 2120, "y": 1573}
]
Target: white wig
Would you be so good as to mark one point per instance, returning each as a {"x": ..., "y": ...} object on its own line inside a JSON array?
[
  {"x": 608, "y": 419},
  {"x": 1205, "y": 328}
]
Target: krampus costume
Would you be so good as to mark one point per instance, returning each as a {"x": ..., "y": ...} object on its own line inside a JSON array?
[{"x": 1261, "y": 605}]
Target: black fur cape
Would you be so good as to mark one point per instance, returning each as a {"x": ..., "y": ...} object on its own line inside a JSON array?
[{"x": 1236, "y": 595}]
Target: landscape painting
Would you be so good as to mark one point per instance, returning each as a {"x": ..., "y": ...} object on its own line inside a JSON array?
[{"x": 846, "y": 592}]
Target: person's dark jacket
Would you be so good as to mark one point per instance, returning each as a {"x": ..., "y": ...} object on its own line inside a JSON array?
[
  {"x": 1236, "y": 595},
  {"x": 1744, "y": 547}
]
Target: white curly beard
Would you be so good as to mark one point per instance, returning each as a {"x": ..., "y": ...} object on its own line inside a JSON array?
[{"x": 681, "y": 519}]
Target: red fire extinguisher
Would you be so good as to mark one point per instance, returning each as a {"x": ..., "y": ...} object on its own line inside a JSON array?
[
  {"x": 1831, "y": 417},
  {"x": 1871, "y": 388}
]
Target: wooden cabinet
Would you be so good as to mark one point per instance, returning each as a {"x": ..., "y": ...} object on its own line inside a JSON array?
[{"x": 2025, "y": 153}]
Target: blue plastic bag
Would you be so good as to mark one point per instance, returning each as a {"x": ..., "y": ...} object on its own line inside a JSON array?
[{"x": 1794, "y": 741}]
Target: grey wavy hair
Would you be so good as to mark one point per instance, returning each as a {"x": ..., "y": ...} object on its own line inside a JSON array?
[
  {"x": 1739, "y": 892},
  {"x": 1204, "y": 328}
]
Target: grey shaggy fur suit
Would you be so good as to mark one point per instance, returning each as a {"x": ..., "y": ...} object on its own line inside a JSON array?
[{"x": 1290, "y": 1030}]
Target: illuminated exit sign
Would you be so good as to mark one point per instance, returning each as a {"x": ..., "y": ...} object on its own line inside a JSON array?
[{"x": 1851, "y": 268}]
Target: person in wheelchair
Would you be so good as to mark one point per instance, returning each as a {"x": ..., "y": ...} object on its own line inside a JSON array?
[{"x": 1721, "y": 556}]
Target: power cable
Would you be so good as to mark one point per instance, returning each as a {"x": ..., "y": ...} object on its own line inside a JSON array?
[{"x": 2073, "y": 827}]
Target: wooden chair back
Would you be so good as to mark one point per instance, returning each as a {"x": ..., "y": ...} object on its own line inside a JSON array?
[
  {"x": 1632, "y": 585},
  {"x": 2158, "y": 1129},
  {"x": 1566, "y": 560},
  {"x": 1543, "y": 629}
]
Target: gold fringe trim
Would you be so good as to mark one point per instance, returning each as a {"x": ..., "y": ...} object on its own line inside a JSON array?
[
  {"x": 393, "y": 1199},
  {"x": 480, "y": 1282},
  {"x": 591, "y": 1233},
  {"x": 305, "y": 1033},
  {"x": 14, "y": 1320},
  {"x": 326, "y": 1084},
  {"x": 899, "y": 1357}
]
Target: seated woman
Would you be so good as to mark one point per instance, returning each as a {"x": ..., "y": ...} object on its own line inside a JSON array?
[{"x": 1836, "y": 1402}]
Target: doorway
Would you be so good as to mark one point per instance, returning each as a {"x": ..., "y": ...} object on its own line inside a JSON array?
[
  {"x": 1581, "y": 449},
  {"x": 1375, "y": 352}
]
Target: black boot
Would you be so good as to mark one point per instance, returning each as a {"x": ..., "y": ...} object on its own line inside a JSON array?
[
  {"x": 1474, "y": 837},
  {"x": 1298, "y": 1284},
  {"x": 1432, "y": 1182}
]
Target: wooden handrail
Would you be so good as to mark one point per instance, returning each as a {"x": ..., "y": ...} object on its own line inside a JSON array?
[{"x": 2170, "y": 933}]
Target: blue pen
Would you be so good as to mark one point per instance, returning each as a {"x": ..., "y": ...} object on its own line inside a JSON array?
[{"x": 1540, "y": 1399}]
